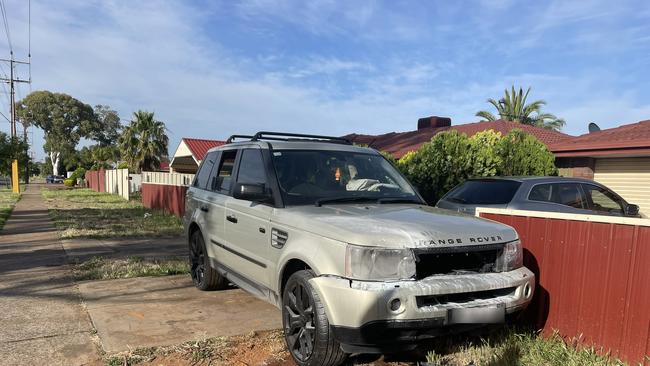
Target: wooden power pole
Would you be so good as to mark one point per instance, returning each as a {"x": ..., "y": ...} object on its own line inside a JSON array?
[{"x": 14, "y": 134}]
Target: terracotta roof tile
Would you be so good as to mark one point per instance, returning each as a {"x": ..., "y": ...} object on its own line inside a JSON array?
[
  {"x": 399, "y": 143},
  {"x": 635, "y": 135},
  {"x": 199, "y": 147}
]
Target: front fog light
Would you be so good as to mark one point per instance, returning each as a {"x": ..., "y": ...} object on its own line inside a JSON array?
[{"x": 378, "y": 264}]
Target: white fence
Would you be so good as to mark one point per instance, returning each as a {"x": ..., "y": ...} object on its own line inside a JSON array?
[
  {"x": 117, "y": 182},
  {"x": 172, "y": 179}
]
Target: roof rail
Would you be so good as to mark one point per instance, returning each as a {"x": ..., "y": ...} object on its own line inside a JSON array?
[
  {"x": 232, "y": 137},
  {"x": 284, "y": 136}
]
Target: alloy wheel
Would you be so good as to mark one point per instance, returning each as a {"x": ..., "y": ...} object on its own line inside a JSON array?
[
  {"x": 197, "y": 260},
  {"x": 299, "y": 321}
]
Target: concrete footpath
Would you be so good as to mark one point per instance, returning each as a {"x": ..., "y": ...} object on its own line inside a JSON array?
[{"x": 42, "y": 319}]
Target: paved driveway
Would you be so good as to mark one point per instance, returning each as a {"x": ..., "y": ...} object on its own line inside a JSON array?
[{"x": 43, "y": 319}]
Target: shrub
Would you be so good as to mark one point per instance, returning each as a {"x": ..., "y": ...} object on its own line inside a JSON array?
[
  {"x": 450, "y": 158},
  {"x": 69, "y": 182}
]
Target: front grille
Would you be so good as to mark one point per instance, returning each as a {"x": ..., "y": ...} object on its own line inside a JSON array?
[
  {"x": 456, "y": 260},
  {"x": 464, "y": 297}
]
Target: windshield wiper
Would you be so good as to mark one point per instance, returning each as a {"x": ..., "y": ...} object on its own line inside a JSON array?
[
  {"x": 456, "y": 199},
  {"x": 398, "y": 200},
  {"x": 319, "y": 202}
]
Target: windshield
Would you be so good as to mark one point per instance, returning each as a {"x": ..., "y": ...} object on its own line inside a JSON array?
[
  {"x": 484, "y": 192},
  {"x": 315, "y": 176}
]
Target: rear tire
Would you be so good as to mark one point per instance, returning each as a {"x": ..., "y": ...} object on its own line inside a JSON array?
[
  {"x": 307, "y": 331},
  {"x": 204, "y": 277}
]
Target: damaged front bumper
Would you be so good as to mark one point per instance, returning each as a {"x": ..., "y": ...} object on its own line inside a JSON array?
[{"x": 379, "y": 316}]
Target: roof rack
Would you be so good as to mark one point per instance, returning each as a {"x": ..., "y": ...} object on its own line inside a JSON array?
[
  {"x": 283, "y": 136},
  {"x": 232, "y": 137}
]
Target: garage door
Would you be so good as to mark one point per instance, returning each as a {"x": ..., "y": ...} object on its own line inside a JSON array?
[{"x": 629, "y": 177}]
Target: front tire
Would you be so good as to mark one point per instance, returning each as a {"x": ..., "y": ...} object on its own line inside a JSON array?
[
  {"x": 307, "y": 331},
  {"x": 204, "y": 277}
]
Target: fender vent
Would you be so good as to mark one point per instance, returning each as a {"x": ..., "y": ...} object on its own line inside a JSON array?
[{"x": 278, "y": 238}]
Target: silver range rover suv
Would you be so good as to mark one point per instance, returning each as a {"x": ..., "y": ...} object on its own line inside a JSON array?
[{"x": 337, "y": 239}]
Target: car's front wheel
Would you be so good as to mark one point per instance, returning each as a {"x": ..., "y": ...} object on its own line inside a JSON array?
[
  {"x": 306, "y": 329},
  {"x": 204, "y": 277}
]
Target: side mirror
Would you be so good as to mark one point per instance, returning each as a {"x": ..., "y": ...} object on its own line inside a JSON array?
[
  {"x": 251, "y": 192},
  {"x": 631, "y": 210}
]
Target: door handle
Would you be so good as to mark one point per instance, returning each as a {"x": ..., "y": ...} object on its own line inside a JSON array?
[
  {"x": 232, "y": 219},
  {"x": 204, "y": 208}
]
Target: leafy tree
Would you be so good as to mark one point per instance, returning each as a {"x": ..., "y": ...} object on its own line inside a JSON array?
[
  {"x": 143, "y": 143},
  {"x": 513, "y": 107},
  {"x": 450, "y": 158},
  {"x": 12, "y": 148},
  {"x": 63, "y": 118},
  {"x": 109, "y": 126},
  {"x": 523, "y": 154}
]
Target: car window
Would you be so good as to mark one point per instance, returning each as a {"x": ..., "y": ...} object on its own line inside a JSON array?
[
  {"x": 603, "y": 200},
  {"x": 251, "y": 167},
  {"x": 568, "y": 194},
  {"x": 484, "y": 192},
  {"x": 201, "y": 179},
  {"x": 224, "y": 175}
]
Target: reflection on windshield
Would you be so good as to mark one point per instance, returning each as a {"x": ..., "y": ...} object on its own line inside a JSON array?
[{"x": 306, "y": 177}]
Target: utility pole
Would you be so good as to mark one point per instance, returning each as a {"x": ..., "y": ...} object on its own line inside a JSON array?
[{"x": 14, "y": 134}]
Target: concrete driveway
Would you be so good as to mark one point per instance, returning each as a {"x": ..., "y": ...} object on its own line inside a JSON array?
[
  {"x": 48, "y": 319},
  {"x": 151, "y": 311}
]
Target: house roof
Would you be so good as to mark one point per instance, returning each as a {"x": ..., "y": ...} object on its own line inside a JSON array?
[
  {"x": 630, "y": 139},
  {"x": 199, "y": 147},
  {"x": 399, "y": 143}
]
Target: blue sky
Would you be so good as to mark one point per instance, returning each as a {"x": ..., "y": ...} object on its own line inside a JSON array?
[{"x": 211, "y": 69}]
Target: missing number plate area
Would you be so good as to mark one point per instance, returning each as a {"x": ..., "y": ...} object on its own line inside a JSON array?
[{"x": 478, "y": 315}]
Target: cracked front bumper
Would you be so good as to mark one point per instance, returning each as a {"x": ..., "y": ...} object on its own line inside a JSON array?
[{"x": 358, "y": 310}]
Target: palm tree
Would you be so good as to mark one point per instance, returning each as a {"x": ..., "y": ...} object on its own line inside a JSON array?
[
  {"x": 143, "y": 143},
  {"x": 513, "y": 107}
]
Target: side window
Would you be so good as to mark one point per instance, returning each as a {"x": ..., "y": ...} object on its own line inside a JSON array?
[
  {"x": 251, "y": 167},
  {"x": 224, "y": 175},
  {"x": 540, "y": 192},
  {"x": 201, "y": 179},
  {"x": 569, "y": 194},
  {"x": 602, "y": 200}
]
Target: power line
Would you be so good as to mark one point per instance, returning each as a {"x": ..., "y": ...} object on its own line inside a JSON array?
[{"x": 6, "y": 24}]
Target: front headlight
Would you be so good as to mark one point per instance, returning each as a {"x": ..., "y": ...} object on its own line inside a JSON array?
[
  {"x": 511, "y": 257},
  {"x": 378, "y": 264}
]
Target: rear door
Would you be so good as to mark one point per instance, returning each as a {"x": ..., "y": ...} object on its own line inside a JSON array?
[
  {"x": 219, "y": 186},
  {"x": 248, "y": 235}
]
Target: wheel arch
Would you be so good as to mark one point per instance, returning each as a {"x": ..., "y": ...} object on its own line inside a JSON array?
[{"x": 290, "y": 267}]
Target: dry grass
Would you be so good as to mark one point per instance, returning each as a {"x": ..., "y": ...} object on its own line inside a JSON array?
[
  {"x": 98, "y": 268},
  {"x": 83, "y": 213}
]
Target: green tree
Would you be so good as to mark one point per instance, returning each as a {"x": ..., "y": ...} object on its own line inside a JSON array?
[
  {"x": 450, "y": 158},
  {"x": 513, "y": 107},
  {"x": 64, "y": 119},
  {"x": 143, "y": 143},
  {"x": 523, "y": 154},
  {"x": 109, "y": 126},
  {"x": 10, "y": 149}
]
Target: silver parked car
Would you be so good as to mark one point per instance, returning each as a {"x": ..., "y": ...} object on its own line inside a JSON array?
[
  {"x": 553, "y": 194},
  {"x": 337, "y": 239}
]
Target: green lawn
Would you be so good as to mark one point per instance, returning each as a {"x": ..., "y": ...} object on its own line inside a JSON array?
[
  {"x": 84, "y": 213},
  {"x": 7, "y": 202}
]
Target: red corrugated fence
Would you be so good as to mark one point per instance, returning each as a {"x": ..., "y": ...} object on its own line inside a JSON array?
[
  {"x": 96, "y": 180},
  {"x": 168, "y": 198},
  {"x": 593, "y": 278}
]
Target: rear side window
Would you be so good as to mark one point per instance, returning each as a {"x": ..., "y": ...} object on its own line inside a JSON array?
[
  {"x": 567, "y": 194},
  {"x": 205, "y": 169},
  {"x": 224, "y": 174},
  {"x": 484, "y": 192},
  {"x": 251, "y": 168}
]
